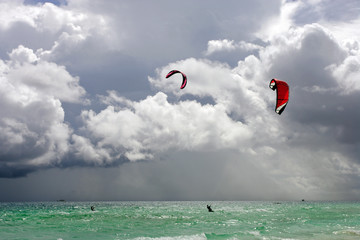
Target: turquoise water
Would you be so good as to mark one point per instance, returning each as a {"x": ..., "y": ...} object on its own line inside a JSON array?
[{"x": 180, "y": 220}]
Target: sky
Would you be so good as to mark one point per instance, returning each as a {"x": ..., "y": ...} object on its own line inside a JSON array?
[{"x": 88, "y": 115}]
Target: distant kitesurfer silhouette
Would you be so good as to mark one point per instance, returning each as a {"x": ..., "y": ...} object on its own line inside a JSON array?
[{"x": 209, "y": 208}]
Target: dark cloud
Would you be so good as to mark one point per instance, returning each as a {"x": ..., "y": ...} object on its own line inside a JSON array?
[
  {"x": 316, "y": 96},
  {"x": 21, "y": 33},
  {"x": 327, "y": 10},
  {"x": 314, "y": 46},
  {"x": 7, "y": 171},
  {"x": 213, "y": 176},
  {"x": 177, "y": 32}
]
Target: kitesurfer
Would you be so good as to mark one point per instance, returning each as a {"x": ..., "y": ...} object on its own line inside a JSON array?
[{"x": 209, "y": 208}]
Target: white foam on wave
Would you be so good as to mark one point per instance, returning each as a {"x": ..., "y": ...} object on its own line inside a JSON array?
[
  {"x": 64, "y": 213},
  {"x": 263, "y": 210},
  {"x": 254, "y": 233},
  {"x": 189, "y": 237},
  {"x": 352, "y": 232},
  {"x": 232, "y": 222}
]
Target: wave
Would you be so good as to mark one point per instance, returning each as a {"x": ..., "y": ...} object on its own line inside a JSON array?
[
  {"x": 350, "y": 232},
  {"x": 189, "y": 237}
]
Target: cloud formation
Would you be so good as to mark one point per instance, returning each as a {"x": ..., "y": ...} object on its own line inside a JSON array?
[
  {"x": 243, "y": 117},
  {"x": 34, "y": 133},
  {"x": 154, "y": 125},
  {"x": 84, "y": 59}
]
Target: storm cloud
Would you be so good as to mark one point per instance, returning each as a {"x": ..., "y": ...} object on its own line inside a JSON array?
[{"x": 83, "y": 90}]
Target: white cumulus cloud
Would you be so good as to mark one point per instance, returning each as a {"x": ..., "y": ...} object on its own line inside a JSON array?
[
  {"x": 34, "y": 133},
  {"x": 141, "y": 129}
]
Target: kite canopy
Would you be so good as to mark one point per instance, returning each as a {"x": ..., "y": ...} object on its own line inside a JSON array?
[
  {"x": 282, "y": 94},
  {"x": 172, "y": 72}
]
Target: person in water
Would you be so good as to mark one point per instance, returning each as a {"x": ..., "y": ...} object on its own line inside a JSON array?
[
  {"x": 209, "y": 208},
  {"x": 92, "y": 208}
]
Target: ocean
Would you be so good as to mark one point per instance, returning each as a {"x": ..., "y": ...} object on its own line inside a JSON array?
[{"x": 179, "y": 220}]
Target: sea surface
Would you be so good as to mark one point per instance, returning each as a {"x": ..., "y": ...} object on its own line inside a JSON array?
[{"x": 180, "y": 220}]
